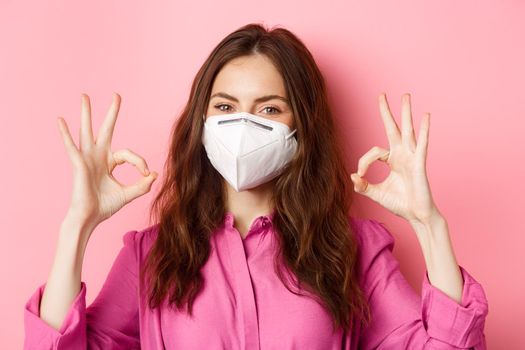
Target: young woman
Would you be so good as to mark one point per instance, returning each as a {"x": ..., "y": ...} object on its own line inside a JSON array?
[{"x": 252, "y": 245}]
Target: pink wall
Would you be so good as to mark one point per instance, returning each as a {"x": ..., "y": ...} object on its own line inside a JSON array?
[{"x": 461, "y": 61}]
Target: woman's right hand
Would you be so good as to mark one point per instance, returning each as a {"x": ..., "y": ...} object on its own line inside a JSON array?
[{"x": 96, "y": 193}]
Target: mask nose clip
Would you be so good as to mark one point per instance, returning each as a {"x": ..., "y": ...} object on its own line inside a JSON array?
[{"x": 246, "y": 120}]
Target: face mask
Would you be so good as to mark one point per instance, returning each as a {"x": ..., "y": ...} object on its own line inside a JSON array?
[{"x": 247, "y": 150}]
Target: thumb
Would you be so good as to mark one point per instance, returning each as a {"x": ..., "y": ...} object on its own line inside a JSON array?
[{"x": 141, "y": 187}]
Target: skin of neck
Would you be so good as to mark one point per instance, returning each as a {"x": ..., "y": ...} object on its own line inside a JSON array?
[{"x": 249, "y": 204}]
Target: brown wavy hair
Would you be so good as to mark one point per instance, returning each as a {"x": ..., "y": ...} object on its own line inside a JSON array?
[{"x": 311, "y": 197}]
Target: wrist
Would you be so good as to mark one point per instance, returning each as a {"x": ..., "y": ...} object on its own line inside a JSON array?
[
  {"x": 82, "y": 224},
  {"x": 432, "y": 228},
  {"x": 75, "y": 230},
  {"x": 431, "y": 219}
]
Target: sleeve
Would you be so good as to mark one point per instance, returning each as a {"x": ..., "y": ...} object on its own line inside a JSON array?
[
  {"x": 403, "y": 320},
  {"x": 110, "y": 322}
]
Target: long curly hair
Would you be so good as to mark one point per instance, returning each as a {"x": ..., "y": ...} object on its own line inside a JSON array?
[{"x": 311, "y": 197}]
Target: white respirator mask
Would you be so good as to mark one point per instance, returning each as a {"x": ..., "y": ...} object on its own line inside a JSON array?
[{"x": 247, "y": 150}]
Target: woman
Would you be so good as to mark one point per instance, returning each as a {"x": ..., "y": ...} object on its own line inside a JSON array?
[{"x": 253, "y": 246}]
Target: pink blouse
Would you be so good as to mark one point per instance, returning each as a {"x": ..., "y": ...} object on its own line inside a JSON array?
[{"x": 244, "y": 305}]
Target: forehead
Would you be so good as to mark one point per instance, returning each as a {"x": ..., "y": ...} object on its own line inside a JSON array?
[{"x": 249, "y": 76}]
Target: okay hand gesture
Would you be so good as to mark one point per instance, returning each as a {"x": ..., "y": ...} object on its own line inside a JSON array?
[
  {"x": 96, "y": 193},
  {"x": 406, "y": 191}
]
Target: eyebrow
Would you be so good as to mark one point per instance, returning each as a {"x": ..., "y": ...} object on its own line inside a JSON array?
[{"x": 260, "y": 99}]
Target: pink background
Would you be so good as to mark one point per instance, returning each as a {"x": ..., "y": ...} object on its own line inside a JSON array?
[{"x": 462, "y": 61}]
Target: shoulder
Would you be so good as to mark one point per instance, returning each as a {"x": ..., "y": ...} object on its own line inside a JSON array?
[
  {"x": 141, "y": 240},
  {"x": 371, "y": 231},
  {"x": 373, "y": 238}
]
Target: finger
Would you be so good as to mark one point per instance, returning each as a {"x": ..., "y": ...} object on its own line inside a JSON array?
[
  {"x": 407, "y": 129},
  {"x": 375, "y": 153},
  {"x": 71, "y": 149},
  {"x": 422, "y": 141},
  {"x": 86, "y": 131},
  {"x": 392, "y": 131},
  {"x": 126, "y": 155},
  {"x": 108, "y": 125},
  {"x": 141, "y": 187},
  {"x": 362, "y": 186}
]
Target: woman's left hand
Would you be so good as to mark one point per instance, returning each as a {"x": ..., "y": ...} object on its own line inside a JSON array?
[{"x": 406, "y": 191}]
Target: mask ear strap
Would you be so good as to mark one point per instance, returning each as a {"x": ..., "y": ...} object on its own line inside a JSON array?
[{"x": 291, "y": 134}]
